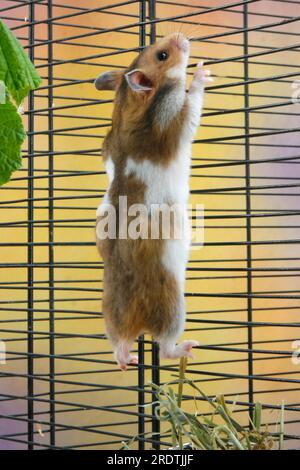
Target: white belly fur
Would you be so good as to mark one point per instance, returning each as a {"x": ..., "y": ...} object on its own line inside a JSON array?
[
  {"x": 110, "y": 170},
  {"x": 168, "y": 185}
]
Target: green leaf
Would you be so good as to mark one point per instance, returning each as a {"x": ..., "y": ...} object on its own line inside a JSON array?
[
  {"x": 207, "y": 432},
  {"x": 257, "y": 416},
  {"x": 16, "y": 70},
  {"x": 2, "y": 92},
  {"x": 12, "y": 136},
  {"x": 182, "y": 369},
  {"x": 234, "y": 440},
  {"x": 281, "y": 432}
]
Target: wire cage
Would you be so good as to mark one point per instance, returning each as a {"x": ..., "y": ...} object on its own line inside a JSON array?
[{"x": 59, "y": 385}]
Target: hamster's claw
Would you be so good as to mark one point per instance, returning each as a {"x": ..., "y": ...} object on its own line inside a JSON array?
[
  {"x": 175, "y": 351},
  {"x": 132, "y": 360},
  {"x": 187, "y": 347},
  {"x": 204, "y": 75}
]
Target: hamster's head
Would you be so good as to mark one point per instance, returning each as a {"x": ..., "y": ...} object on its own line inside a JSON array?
[{"x": 164, "y": 61}]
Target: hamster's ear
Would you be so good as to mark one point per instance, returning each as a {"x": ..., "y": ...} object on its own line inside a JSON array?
[
  {"x": 138, "y": 81},
  {"x": 108, "y": 80}
]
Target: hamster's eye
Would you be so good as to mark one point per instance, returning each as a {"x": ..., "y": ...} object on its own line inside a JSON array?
[{"x": 163, "y": 55}]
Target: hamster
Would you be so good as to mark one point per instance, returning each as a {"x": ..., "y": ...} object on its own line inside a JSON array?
[{"x": 147, "y": 154}]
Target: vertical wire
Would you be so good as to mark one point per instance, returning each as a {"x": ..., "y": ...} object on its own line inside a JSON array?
[
  {"x": 141, "y": 344},
  {"x": 30, "y": 236},
  {"x": 155, "y": 349},
  {"x": 51, "y": 230},
  {"x": 152, "y": 16},
  {"x": 155, "y": 380},
  {"x": 248, "y": 209}
]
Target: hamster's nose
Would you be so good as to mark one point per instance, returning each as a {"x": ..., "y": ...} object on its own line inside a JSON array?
[{"x": 181, "y": 42}]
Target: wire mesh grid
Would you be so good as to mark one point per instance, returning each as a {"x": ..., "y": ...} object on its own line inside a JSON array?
[{"x": 60, "y": 387}]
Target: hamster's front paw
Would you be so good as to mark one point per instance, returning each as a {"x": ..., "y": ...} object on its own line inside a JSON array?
[{"x": 202, "y": 76}]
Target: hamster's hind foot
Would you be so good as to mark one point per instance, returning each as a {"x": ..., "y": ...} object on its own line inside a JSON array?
[
  {"x": 173, "y": 351},
  {"x": 185, "y": 348},
  {"x": 123, "y": 356},
  {"x": 132, "y": 360}
]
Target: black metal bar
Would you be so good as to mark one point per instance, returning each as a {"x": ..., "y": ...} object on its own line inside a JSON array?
[
  {"x": 155, "y": 348},
  {"x": 51, "y": 231},
  {"x": 152, "y": 16},
  {"x": 30, "y": 251},
  {"x": 155, "y": 380},
  {"x": 248, "y": 210},
  {"x": 141, "y": 344}
]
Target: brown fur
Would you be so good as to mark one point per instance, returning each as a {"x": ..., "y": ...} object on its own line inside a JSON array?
[{"x": 139, "y": 294}]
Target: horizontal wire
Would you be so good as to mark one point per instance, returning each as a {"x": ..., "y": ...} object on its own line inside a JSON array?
[
  {"x": 269, "y": 377},
  {"x": 81, "y": 13},
  {"x": 163, "y": 20},
  {"x": 201, "y": 312},
  {"x": 22, "y": 4}
]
